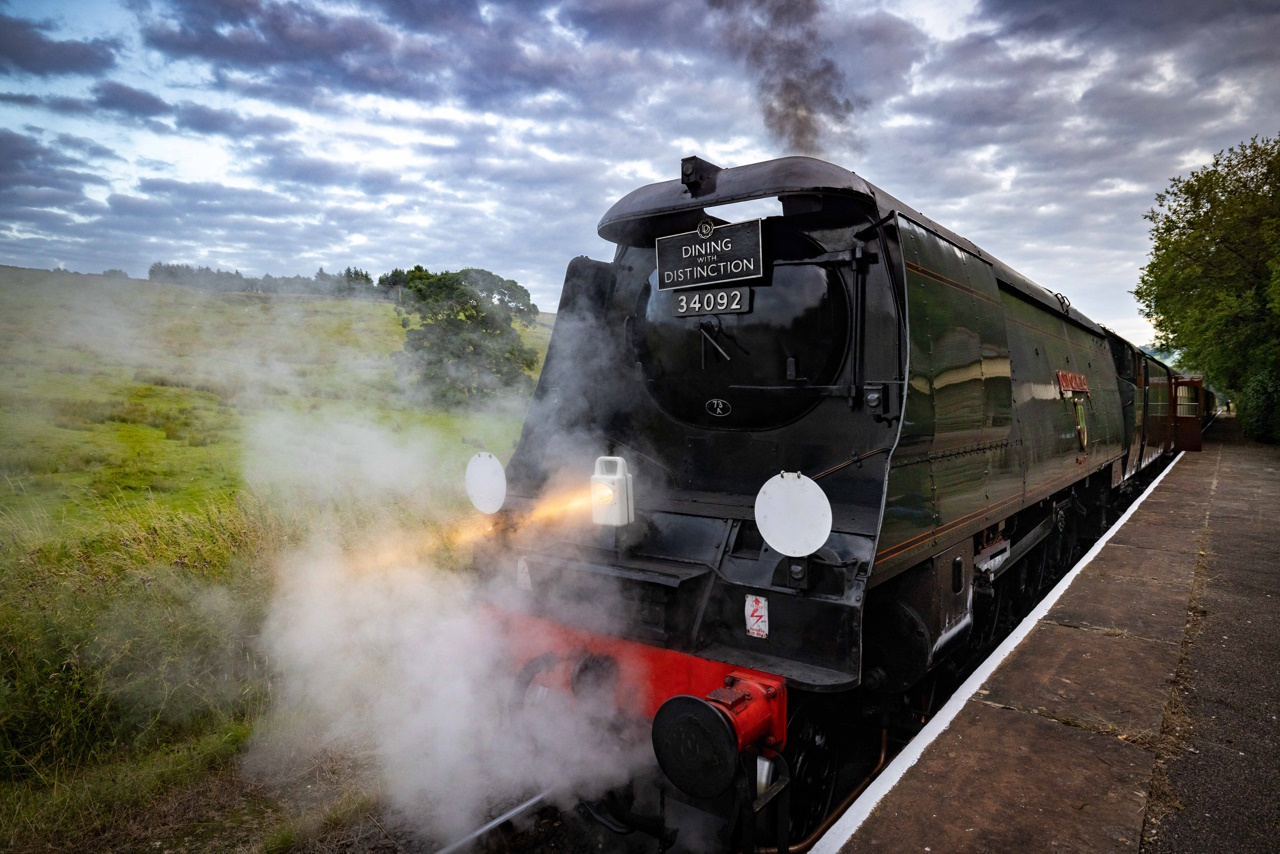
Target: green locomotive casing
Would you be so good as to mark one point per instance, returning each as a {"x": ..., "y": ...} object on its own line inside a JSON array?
[
  {"x": 987, "y": 427},
  {"x": 948, "y": 407}
]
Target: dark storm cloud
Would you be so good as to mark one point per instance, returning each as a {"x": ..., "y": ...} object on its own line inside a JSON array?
[
  {"x": 25, "y": 47},
  {"x": 120, "y": 98},
  {"x": 136, "y": 104},
  {"x": 296, "y": 53},
  {"x": 876, "y": 52},
  {"x": 39, "y": 184},
  {"x": 209, "y": 120},
  {"x": 209, "y": 198},
  {"x": 648, "y": 24},
  {"x": 85, "y": 147},
  {"x": 1121, "y": 20},
  {"x": 54, "y": 103},
  {"x": 287, "y": 162},
  {"x": 292, "y": 46}
]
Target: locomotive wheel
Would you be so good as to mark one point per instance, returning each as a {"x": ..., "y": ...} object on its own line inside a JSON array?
[{"x": 815, "y": 762}]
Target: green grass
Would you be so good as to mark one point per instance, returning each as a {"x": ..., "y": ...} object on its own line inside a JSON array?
[
  {"x": 129, "y": 643},
  {"x": 89, "y": 800},
  {"x": 134, "y": 560},
  {"x": 139, "y": 392}
]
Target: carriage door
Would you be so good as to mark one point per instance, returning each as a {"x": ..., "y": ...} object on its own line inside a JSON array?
[{"x": 1187, "y": 394}]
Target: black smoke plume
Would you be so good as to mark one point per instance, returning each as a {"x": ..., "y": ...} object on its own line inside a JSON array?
[{"x": 804, "y": 96}]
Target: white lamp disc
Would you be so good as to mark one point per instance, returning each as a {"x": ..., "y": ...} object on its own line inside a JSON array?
[
  {"x": 486, "y": 482},
  {"x": 793, "y": 514}
]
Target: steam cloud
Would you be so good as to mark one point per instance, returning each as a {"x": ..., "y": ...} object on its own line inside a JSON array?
[
  {"x": 804, "y": 97},
  {"x": 382, "y": 652},
  {"x": 398, "y": 663}
]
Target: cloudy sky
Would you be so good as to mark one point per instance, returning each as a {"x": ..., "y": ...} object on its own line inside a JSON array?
[{"x": 278, "y": 137}]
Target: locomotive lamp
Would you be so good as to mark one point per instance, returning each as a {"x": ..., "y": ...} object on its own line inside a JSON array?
[{"x": 611, "y": 497}]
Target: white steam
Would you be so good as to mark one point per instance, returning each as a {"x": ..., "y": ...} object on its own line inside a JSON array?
[
  {"x": 401, "y": 664},
  {"x": 379, "y": 652},
  {"x": 330, "y": 459}
]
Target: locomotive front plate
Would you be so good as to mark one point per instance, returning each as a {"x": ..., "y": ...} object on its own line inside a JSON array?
[
  {"x": 712, "y": 255},
  {"x": 718, "y": 301}
]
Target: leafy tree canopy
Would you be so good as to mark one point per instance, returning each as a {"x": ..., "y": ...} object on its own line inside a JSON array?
[
  {"x": 1212, "y": 285},
  {"x": 462, "y": 342}
]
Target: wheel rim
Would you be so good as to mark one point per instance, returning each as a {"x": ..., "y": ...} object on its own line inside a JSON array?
[{"x": 812, "y": 757}]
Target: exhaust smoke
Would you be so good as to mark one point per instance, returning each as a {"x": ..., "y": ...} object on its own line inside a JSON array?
[{"x": 805, "y": 100}]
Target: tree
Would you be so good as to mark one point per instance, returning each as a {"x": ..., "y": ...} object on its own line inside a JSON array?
[
  {"x": 462, "y": 343},
  {"x": 1212, "y": 285}
]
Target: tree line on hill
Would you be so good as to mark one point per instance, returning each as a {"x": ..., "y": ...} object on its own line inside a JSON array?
[{"x": 351, "y": 282}]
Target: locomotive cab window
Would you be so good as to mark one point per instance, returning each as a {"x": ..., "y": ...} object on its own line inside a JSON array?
[{"x": 774, "y": 333}]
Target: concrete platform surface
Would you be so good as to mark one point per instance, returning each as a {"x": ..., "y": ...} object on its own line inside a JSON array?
[
  {"x": 1143, "y": 711},
  {"x": 1004, "y": 780}
]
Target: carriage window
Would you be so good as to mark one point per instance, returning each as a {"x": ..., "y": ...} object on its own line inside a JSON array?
[{"x": 1188, "y": 405}]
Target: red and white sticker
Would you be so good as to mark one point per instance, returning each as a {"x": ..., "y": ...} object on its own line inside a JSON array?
[
  {"x": 523, "y": 581},
  {"x": 757, "y": 616}
]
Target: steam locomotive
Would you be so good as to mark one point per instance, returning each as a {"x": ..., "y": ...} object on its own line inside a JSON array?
[{"x": 831, "y": 455}]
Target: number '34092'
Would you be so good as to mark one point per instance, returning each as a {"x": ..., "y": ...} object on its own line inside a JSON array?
[{"x": 706, "y": 302}]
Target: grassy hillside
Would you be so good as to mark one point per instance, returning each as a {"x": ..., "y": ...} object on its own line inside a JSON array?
[
  {"x": 538, "y": 336},
  {"x": 134, "y": 544},
  {"x": 128, "y": 391}
]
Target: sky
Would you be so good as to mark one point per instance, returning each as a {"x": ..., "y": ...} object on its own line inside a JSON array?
[{"x": 281, "y": 137}]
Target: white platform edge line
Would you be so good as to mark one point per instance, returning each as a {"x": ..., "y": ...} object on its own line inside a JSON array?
[{"x": 835, "y": 838}]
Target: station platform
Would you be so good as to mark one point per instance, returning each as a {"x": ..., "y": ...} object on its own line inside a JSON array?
[{"x": 1139, "y": 711}]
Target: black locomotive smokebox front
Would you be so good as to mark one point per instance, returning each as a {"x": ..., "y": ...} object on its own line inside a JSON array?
[
  {"x": 723, "y": 370},
  {"x": 696, "y": 746}
]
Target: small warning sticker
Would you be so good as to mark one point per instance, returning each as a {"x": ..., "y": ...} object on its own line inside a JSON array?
[
  {"x": 523, "y": 581},
  {"x": 757, "y": 616}
]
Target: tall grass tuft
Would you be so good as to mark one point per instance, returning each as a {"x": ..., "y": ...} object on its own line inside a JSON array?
[{"x": 128, "y": 640}]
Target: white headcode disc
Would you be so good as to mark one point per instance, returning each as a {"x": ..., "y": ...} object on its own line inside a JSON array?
[
  {"x": 486, "y": 482},
  {"x": 793, "y": 514}
]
